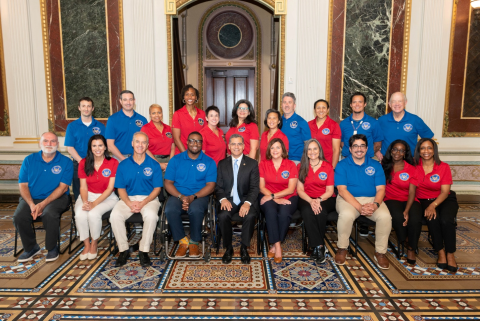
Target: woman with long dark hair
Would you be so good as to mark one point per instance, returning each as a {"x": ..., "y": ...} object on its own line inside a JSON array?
[
  {"x": 273, "y": 121},
  {"x": 243, "y": 123},
  {"x": 97, "y": 178}
]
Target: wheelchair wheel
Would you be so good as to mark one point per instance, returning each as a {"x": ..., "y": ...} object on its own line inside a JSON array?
[
  {"x": 207, "y": 256},
  {"x": 162, "y": 255}
]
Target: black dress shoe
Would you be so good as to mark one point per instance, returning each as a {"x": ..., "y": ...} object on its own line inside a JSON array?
[
  {"x": 245, "y": 257},
  {"x": 442, "y": 266},
  {"x": 452, "y": 269},
  {"x": 227, "y": 257},
  {"x": 320, "y": 254},
  {"x": 314, "y": 254},
  {"x": 122, "y": 258},
  {"x": 144, "y": 259}
]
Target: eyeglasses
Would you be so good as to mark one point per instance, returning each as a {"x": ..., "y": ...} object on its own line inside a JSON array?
[
  {"x": 243, "y": 108},
  {"x": 359, "y": 146},
  {"x": 400, "y": 151},
  {"x": 236, "y": 144},
  {"x": 195, "y": 141}
]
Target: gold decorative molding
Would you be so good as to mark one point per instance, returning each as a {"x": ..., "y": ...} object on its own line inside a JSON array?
[
  {"x": 6, "y": 119},
  {"x": 209, "y": 55},
  {"x": 282, "y": 59},
  {"x": 280, "y": 7},
  {"x": 406, "y": 43},
  {"x": 329, "y": 50},
  {"x": 170, "y": 7},
  {"x": 32, "y": 140},
  {"x": 170, "y": 67},
  {"x": 46, "y": 59},
  {"x": 249, "y": 56},
  {"x": 446, "y": 133}
]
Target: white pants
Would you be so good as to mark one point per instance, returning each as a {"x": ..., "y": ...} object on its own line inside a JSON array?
[
  {"x": 121, "y": 212},
  {"x": 92, "y": 220}
]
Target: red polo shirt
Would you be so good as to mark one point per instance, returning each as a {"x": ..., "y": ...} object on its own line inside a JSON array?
[
  {"x": 277, "y": 181},
  {"x": 328, "y": 131},
  {"x": 213, "y": 145},
  {"x": 248, "y": 131},
  {"x": 98, "y": 181},
  {"x": 159, "y": 143},
  {"x": 264, "y": 142},
  {"x": 316, "y": 182},
  {"x": 183, "y": 121},
  {"x": 397, "y": 190},
  {"x": 429, "y": 186}
]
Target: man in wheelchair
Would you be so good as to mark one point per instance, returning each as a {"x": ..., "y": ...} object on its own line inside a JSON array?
[{"x": 190, "y": 179}]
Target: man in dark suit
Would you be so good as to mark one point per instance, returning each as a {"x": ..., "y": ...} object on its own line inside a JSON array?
[{"x": 237, "y": 190}]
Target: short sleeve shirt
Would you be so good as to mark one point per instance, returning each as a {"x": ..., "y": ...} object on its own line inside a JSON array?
[
  {"x": 214, "y": 146},
  {"x": 247, "y": 131},
  {"x": 264, "y": 142},
  {"x": 98, "y": 181},
  {"x": 430, "y": 185},
  {"x": 159, "y": 143},
  {"x": 316, "y": 182},
  {"x": 398, "y": 188},
  {"x": 367, "y": 125},
  {"x": 328, "y": 131},
  {"x": 298, "y": 132},
  {"x": 361, "y": 180},
  {"x": 139, "y": 179},
  {"x": 121, "y": 128},
  {"x": 277, "y": 180},
  {"x": 78, "y": 135},
  {"x": 183, "y": 121},
  {"x": 42, "y": 177}
]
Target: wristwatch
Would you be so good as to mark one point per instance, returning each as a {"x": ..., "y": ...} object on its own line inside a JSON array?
[
  {"x": 195, "y": 196},
  {"x": 273, "y": 196},
  {"x": 378, "y": 205},
  {"x": 180, "y": 197},
  {"x": 321, "y": 199}
]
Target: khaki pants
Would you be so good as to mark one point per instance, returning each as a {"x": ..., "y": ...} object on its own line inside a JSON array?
[
  {"x": 347, "y": 214},
  {"x": 121, "y": 212}
]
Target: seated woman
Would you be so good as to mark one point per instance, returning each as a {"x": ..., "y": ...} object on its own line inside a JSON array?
[
  {"x": 273, "y": 121},
  {"x": 243, "y": 123},
  {"x": 315, "y": 188},
  {"x": 214, "y": 145},
  {"x": 400, "y": 199},
  {"x": 97, "y": 178},
  {"x": 278, "y": 196},
  {"x": 433, "y": 181}
]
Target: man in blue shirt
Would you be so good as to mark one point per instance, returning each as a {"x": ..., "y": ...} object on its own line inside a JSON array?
[
  {"x": 400, "y": 124},
  {"x": 360, "y": 123},
  {"x": 44, "y": 182},
  {"x": 139, "y": 181},
  {"x": 77, "y": 136},
  {"x": 361, "y": 189},
  {"x": 190, "y": 179},
  {"x": 122, "y": 125},
  {"x": 294, "y": 127}
]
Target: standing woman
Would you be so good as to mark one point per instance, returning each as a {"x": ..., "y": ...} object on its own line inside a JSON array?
[
  {"x": 434, "y": 179},
  {"x": 315, "y": 188},
  {"x": 243, "y": 123},
  {"x": 273, "y": 121},
  {"x": 213, "y": 143},
  {"x": 278, "y": 182},
  {"x": 187, "y": 119},
  {"x": 326, "y": 131},
  {"x": 97, "y": 178},
  {"x": 400, "y": 199}
]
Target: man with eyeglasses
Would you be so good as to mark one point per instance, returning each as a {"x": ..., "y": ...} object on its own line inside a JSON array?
[
  {"x": 361, "y": 188},
  {"x": 190, "y": 179}
]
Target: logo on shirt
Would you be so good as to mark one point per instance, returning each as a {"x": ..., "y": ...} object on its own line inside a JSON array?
[
  {"x": 241, "y": 129},
  {"x": 323, "y": 176},
  {"x": 293, "y": 124},
  {"x": 139, "y": 123},
  {"x": 106, "y": 172},
  {"x": 404, "y": 176},
  {"x": 370, "y": 171},
  {"x": 169, "y": 135},
  {"x": 201, "y": 121},
  {"x": 56, "y": 169},
  {"x": 96, "y": 130},
  {"x": 147, "y": 171},
  {"x": 366, "y": 125},
  {"x": 435, "y": 178},
  {"x": 407, "y": 127},
  {"x": 285, "y": 174},
  {"x": 201, "y": 167},
  {"x": 326, "y": 131}
]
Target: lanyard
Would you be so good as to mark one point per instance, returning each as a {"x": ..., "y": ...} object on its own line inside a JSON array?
[{"x": 355, "y": 129}]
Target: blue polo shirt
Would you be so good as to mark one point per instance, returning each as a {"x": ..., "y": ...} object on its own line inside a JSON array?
[
  {"x": 367, "y": 126},
  {"x": 78, "y": 134},
  {"x": 139, "y": 179},
  {"x": 42, "y": 177},
  {"x": 361, "y": 180},
  {"x": 408, "y": 128},
  {"x": 121, "y": 128},
  {"x": 297, "y": 131},
  {"x": 191, "y": 175}
]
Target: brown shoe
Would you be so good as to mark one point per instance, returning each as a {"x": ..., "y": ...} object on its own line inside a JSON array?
[
  {"x": 182, "y": 250},
  {"x": 341, "y": 256},
  {"x": 193, "y": 250},
  {"x": 382, "y": 261}
]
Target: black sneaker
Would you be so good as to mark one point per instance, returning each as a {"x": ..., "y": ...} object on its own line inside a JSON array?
[
  {"x": 53, "y": 254},
  {"x": 122, "y": 258},
  {"x": 144, "y": 259},
  {"x": 314, "y": 254},
  {"x": 321, "y": 254},
  {"x": 363, "y": 230},
  {"x": 27, "y": 256}
]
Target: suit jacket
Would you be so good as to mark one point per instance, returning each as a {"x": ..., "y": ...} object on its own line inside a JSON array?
[{"x": 248, "y": 180}]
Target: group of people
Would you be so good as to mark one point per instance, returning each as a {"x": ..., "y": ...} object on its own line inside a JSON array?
[{"x": 384, "y": 174}]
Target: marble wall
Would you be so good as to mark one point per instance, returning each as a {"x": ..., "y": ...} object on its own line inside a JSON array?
[
  {"x": 4, "y": 121},
  {"x": 471, "y": 103}
]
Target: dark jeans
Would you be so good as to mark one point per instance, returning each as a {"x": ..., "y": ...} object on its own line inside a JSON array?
[
  {"x": 442, "y": 228},
  {"x": 414, "y": 224},
  {"x": 22, "y": 219},
  {"x": 316, "y": 224},
  {"x": 196, "y": 212},
  {"x": 225, "y": 223},
  {"x": 278, "y": 218},
  {"x": 75, "y": 181}
]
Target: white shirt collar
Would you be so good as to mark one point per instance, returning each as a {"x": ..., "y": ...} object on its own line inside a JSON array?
[{"x": 239, "y": 160}]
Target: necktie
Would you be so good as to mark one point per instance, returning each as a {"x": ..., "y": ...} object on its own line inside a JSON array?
[{"x": 236, "y": 198}]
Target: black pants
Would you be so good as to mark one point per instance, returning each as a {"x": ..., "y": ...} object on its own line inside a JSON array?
[
  {"x": 225, "y": 223},
  {"x": 278, "y": 218},
  {"x": 75, "y": 181},
  {"x": 442, "y": 228},
  {"x": 316, "y": 224},
  {"x": 22, "y": 219},
  {"x": 414, "y": 224}
]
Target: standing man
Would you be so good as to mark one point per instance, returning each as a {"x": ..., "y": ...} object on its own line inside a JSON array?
[
  {"x": 361, "y": 188},
  {"x": 294, "y": 127},
  {"x": 44, "y": 180},
  {"x": 139, "y": 181},
  {"x": 122, "y": 125},
  {"x": 400, "y": 124},
  {"x": 77, "y": 136},
  {"x": 237, "y": 189}
]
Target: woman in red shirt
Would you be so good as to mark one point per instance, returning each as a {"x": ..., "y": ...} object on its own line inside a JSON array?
[
  {"x": 97, "y": 178},
  {"x": 315, "y": 188},
  {"x": 243, "y": 123},
  {"x": 213, "y": 144},
  {"x": 278, "y": 202},
  {"x": 326, "y": 131},
  {"x": 434, "y": 180},
  {"x": 273, "y": 121},
  {"x": 400, "y": 199}
]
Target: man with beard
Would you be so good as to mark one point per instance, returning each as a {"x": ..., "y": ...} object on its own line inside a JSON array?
[
  {"x": 44, "y": 180},
  {"x": 190, "y": 179}
]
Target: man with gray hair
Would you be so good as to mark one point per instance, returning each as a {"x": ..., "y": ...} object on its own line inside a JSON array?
[{"x": 44, "y": 180}]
